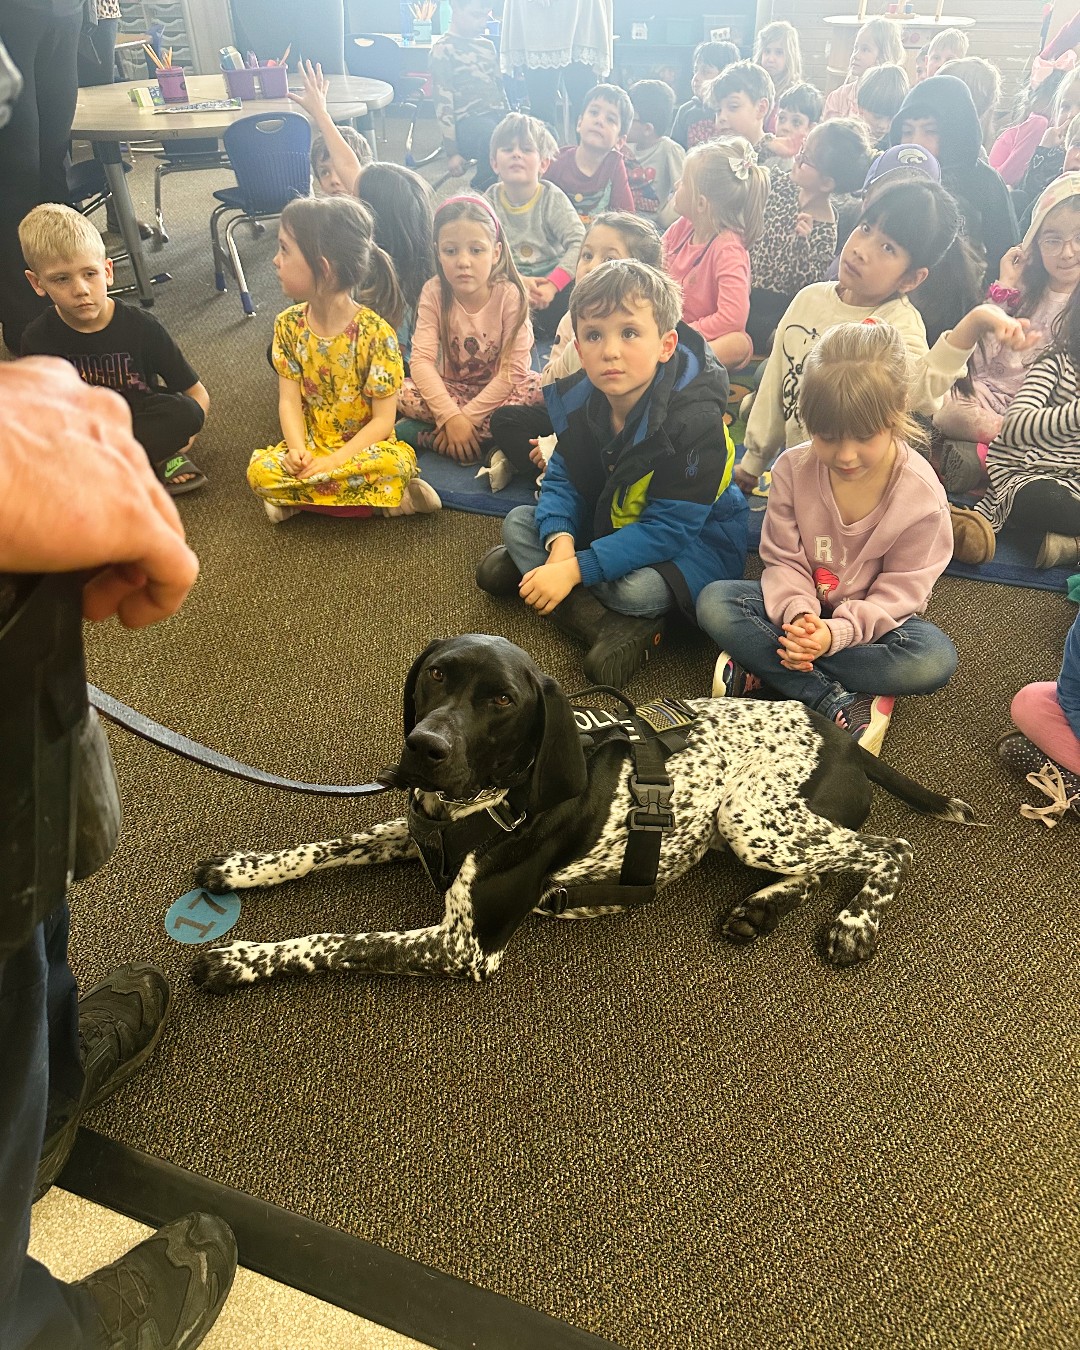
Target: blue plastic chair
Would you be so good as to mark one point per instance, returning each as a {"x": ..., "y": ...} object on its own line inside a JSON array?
[{"x": 270, "y": 155}]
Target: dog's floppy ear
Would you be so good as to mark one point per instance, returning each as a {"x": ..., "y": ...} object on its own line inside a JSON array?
[
  {"x": 559, "y": 772},
  {"x": 410, "y": 684}
]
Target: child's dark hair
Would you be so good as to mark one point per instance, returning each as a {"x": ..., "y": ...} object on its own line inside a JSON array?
[
  {"x": 923, "y": 218},
  {"x": 638, "y": 234},
  {"x": 654, "y": 103},
  {"x": 400, "y": 202},
  {"x": 843, "y": 151},
  {"x": 882, "y": 89},
  {"x": 619, "y": 100},
  {"x": 480, "y": 212},
  {"x": 805, "y": 99},
  {"x": 719, "y": 55},
  {"x": 618, "y": 280},
  {"x": 744, "y": 77},
  {"x": 336, "y": 236},
  {"x": 1034, "y": 278},
  {"x": 358, "y": 144}
]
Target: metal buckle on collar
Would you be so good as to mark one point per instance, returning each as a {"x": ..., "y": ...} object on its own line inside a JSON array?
[
  {"x": 502, "y": 817},
  {"x": 653, "y": 810}
]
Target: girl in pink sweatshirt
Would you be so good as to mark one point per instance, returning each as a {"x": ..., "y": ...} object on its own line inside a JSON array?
[
  {"x": 856, "y": 532},
  {"x": 721, "y": 204},
  {"x": 472, "y": 343}
]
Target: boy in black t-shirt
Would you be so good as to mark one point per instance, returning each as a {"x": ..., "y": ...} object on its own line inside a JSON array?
[{"x": 111, "y": 344}]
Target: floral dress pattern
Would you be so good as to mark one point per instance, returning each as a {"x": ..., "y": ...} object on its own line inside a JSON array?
[{"x": 338, "y": 378}]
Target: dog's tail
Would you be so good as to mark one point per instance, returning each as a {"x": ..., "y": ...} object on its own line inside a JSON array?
[{"x": 913, "y": 793}]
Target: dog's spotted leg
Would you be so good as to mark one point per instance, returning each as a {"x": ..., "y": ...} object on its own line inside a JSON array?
[
  {"x": 759, "y": 913},
  {"x": 853, "y": 934},
  {"x": 448, "y": 948},
  {"x": 386, "y": 842}
]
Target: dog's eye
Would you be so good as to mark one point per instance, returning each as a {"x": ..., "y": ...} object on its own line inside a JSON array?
[
  {"x": 436, "y": 674},
  {"x": 503, "y": 700}
]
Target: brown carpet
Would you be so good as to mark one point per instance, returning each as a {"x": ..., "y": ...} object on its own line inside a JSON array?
[{"x": 656, "y": 1136}]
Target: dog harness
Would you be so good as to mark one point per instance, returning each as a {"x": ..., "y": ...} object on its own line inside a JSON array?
[{"x": 653, "y": 732}]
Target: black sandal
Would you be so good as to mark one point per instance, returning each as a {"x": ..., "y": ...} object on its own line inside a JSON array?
[{"x": 174, "y": 468}]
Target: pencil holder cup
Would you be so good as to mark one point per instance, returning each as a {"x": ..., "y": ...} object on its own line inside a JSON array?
[
  {"x": 172, "y": 84},
  {"x": 257, "y": 82},
  {"x": 421, "y": 30}
]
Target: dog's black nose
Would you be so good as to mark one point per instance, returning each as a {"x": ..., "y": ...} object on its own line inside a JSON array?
[{"x": 429, "y": 745}]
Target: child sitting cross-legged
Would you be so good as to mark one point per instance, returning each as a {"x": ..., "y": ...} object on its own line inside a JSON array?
[
  {"x": 721, "y": 202},
  {"x": 799, "y": 237},
  {"x": 654, "y": 162},
  {"x": 636, "y": 513},
  {"x": 856, "y": 532},
  {"x": 539, "y": 223},
  {"x": 473, "y": 338},
  {"x": 110, "y": 343},
  {"x": 593, "y": 172},
  {"x": 339, "y": 371}
]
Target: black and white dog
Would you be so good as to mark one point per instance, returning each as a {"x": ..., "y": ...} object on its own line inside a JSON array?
[{"x": 486, "y": 732}]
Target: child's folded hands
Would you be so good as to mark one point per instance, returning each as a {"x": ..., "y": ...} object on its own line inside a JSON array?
[{"x": 805, "y": 639}]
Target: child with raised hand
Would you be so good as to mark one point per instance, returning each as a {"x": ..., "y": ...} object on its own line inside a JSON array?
[
  {"x": 903, "y": 235},
  {"x": 856, "y": 532},
  {"x": 878, "y": 98},
  {"x": 339, "y": 371},
  {"x": 1045, "y": 746},
  {"x": 695, "y": 121},
  {"x": 112, "y": 344},
  {"x": 539, "y": 223},
  {"x": 344, "y": 163},
  {"x": 721, "y": 204},
  {"x": 400, "y": 202},
  {"x": 516, "y": 430},
  {"x": 798, "y": 111},
  {"x": 1035, "y": 282},
  {"x": 949, "y": 45},
  {"x": 877, "y": 43},
  {"x": 473, "y": 338},
  {"x": 654, "y": 162},
  {"x": 636, "y": 513},
  {"x": 593, "y": 172},
  {"x": 323, "y": 171},
  {"x": 799, "y": 237},
  {"x": 1034, "y": 464},
  {"x": 777, "y": 51}
]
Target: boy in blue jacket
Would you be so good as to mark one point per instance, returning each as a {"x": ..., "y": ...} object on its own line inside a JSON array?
[{"x": 637, "y": 512}]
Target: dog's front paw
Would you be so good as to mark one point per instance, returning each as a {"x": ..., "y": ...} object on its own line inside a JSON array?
[
  {"x": 852, "y": 937},
  {"x": 749, "y": 921},
  {"x": 224, "y": 968}
]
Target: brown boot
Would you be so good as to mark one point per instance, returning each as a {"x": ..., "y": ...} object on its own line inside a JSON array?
[
  {"x": 1059, "y": 550},
  {"x": 974, "y": 540}
]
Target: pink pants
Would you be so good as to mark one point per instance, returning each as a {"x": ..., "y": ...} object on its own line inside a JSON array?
[
  {"x": 1037, "y": 712},
  {"x": 964, "y": 417},
  {"x": 411, "y": 403}
]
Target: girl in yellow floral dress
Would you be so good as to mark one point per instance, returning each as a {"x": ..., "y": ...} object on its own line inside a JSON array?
[{"x": 339, "y": 371}]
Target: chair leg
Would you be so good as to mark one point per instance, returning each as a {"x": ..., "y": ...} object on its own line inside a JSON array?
[
  {"x": 238, "y": 267},
  {"x": 215, "y": 244},
  {"x": 161, "y": 235}
]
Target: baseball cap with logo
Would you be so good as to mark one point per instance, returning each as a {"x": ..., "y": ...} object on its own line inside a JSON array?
[
  {"x": 911, "y": 158},
  {"x": 1060, "y": 190}
]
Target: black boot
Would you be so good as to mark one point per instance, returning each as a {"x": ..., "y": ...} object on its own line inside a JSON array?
[
  {"x": 497, "y": 572},
  {"x": 618, "y": 646},
  {"x": 580, "y": 616}
]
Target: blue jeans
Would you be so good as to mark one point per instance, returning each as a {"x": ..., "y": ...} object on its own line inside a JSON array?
[
  {"x": 915, "y": 658},
  {"x": 40, "y": 1071},
  {"x": 643, "y": 593}
]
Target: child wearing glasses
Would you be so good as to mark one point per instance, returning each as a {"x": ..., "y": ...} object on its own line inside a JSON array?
[
  {"x": 1035, "y": 282},
  {"x": 799, "y": 238}
]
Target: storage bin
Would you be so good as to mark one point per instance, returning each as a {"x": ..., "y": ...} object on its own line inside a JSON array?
[{"x": 255, "y": 82}]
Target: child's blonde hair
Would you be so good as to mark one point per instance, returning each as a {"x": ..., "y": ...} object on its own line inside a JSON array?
[
  {"x": 528, "y": 132},
  {"x": 638, "y": 234},
  {"x": 885, "y": 35},
  {"x": 1072, "y": 133},
  {"x": 782, "y": 34},
  {"x": 480, "y": 212},
  {"x": 55, "y": 233},
  {"x": 1067, "y": 86},
  {"x": 734, "y": 185},
  {"x": 984, "y": 82},
  {"x": 951, "y": 40},
  {"x": 856, "y": 383}
]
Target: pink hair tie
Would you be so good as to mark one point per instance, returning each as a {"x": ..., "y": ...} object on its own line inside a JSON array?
[{"x": 473, "y": 200}]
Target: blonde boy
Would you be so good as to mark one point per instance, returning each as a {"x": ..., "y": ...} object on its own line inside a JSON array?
[
  {"x": 539, "y": 223},
  {"x": 112, "y": 344}
]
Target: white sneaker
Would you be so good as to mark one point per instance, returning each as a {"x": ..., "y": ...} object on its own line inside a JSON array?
[
  {"x": 276, "y": 514},
  {"x": 418, "y": 499}
]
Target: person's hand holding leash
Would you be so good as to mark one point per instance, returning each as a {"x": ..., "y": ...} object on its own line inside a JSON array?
[{"x": 77, "y": 493}]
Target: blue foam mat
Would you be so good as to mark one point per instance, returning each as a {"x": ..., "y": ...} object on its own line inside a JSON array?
[{"x": 461, "y": 490}]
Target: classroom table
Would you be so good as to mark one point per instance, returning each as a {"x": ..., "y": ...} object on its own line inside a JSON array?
[{"x": 106, "y": 117}]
